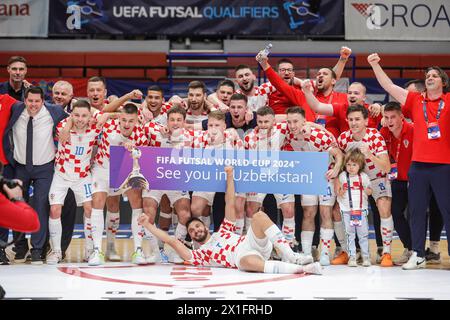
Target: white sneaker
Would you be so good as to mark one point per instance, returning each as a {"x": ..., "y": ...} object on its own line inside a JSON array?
[
  {"x": 415, "y": 262},
  {"x": 403, "y": 258},
  {"x": 352, "y": 262},
  {"x": 366, "y": 262},
  {"x": 313, "y": 268},
  {"x": 111, "y": 253},
  {"x": 172, "y": 255},
  {"x": 138, "y": 257},
  {"x": 54, "y": 257},
  {"x": 154, "y": 257},
  {"x": 301, "y": 259},
  {"x": 324, "y": 258},
  {"x": 97, "y": 258}
]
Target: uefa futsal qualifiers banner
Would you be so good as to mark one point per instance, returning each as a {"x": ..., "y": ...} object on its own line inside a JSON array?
[
  {"x": 197, "y": 17},
  {"x": 203, "y": 170}
]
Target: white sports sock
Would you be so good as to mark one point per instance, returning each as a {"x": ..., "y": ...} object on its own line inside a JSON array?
[
  {"x": 281, "y": 267},
  {"x": 152, "y": 240},
  {"x": 136, "y": 229},
  {"x": 340, "y": 234},
  {"x": 88, "y": 244},
  {"x": 240, "y": 226},
  {"x": 387, "y": 227},
  {"x": 98, "y": 224},
  {"x": 206, "y": 221},
  {"x": 279, "y": 242},
  {"x": 306, "y": 237},
  {"x": 165, "y": 215},
  {"x": 112, "y": 225},
  {"x": 289, "y": 229},
  {"x": 325, "y": 237},
  {"x": 180, "y": 231},
  {"x": 174, "y": 219},
  {"x": 55, "y": 230}
]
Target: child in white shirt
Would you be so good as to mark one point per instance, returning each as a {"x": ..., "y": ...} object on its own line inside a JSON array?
[{"x": 353, "y": 190}]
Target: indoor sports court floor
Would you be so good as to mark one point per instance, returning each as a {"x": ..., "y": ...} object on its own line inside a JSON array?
[{"x": 75, "y": 280}]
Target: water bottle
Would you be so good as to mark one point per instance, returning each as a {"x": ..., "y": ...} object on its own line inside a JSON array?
[{"x": 266, "y": 50}]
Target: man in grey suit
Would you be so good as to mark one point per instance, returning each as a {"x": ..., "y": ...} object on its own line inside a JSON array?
[{"x": 29, "y": 146}]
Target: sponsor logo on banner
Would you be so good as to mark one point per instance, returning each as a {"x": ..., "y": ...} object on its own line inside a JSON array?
[
  {"x": 397, "y": 20},
  {"x": 25, "y": 18},
  {"x": 300, "y": 13}
]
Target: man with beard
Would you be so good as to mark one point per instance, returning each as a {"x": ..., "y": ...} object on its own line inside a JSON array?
[
  {"x": 227, "y": 249},
  {"x": 257, "y": 96}
]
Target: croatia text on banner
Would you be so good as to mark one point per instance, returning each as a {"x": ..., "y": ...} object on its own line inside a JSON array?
[
  {"x": 200, "y": 17},
  {"x": 397, "y": 20},
  {"x": 203, "y": 170},
  {"x": 26, "y": 18}
]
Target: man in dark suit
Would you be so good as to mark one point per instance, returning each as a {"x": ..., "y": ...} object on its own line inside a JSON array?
[{"x": 29, "y": 147}]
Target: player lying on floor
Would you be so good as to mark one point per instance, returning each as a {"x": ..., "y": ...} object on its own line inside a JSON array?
[{"x": 228, "y": 249}]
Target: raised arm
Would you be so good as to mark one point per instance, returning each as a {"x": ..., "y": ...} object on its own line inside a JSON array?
[
  {"x": 317, "y": 106},
  {"x": 397, "y": 92},
  {"x": 340, "y": 65},
  {"x": 176, "y": 244},
  {"x": 230, "y": 198},
  {"x": 114, "y": 105}
]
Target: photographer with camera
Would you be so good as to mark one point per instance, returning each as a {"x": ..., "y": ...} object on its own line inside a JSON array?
[{"x": 15, "y": 213}]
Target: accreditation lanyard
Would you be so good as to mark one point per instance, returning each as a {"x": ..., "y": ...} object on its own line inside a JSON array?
[
  {"x": 393, "y": 174},
  {"x": 433, "y": 130},
  {"x": 355, "y": 215}
]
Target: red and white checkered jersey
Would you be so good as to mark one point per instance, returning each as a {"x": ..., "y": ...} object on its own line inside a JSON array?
[
  {"x": 73, "y": 159},
  {"x": 154, "y": 138},
  {"x": 258, "y": 140},
  {"x": 317, "y": 140},
  {"x": 220, "y": 250},
  {"x": 191, "y": 119},
  {"x": 260, "y": 97},
  {"x": 376, "y": 143},
  {"x": 111, "y": 136},
  {"x": 230, "y": 140},
  {"x": 161, "y": 118}
]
